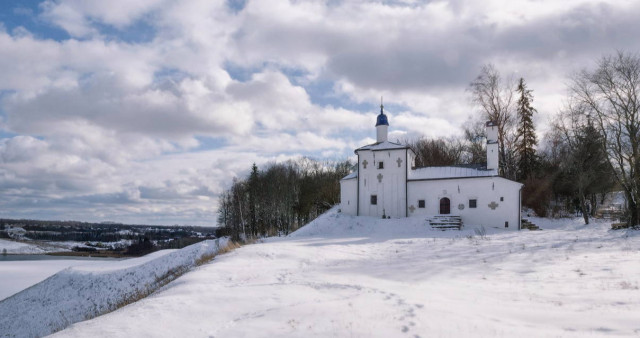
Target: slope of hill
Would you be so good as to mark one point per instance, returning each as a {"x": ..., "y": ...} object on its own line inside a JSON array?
[
  {"x": 348, "y": 276},
  {"x": 85, "y": 291}
]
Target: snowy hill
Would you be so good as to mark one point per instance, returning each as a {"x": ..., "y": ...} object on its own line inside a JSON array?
[
  {"x": 362, "y": 277},
  {"x": 83, "y": 292}
]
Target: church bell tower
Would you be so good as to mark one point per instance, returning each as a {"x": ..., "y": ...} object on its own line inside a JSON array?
[{"x": 382, "y": 126}]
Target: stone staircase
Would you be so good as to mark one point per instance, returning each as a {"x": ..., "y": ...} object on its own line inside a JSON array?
[
  {"x": 445, "y": 222},
  {"x": 618, "y": 226},
  {"x": 525, "y": 224}
]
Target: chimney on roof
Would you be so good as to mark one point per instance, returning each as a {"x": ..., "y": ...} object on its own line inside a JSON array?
[{"x": 492, "y": 145}]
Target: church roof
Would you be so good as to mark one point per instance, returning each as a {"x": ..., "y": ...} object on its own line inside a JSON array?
[
  {"x": 433, "y": 173},
  {"x": 441, "y": 173},
  {"x": 386, "y": 145},
  {"x": 351, "y": 176}
]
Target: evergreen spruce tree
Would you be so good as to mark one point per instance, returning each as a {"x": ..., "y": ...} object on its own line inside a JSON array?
[
  {"x": 592, "y": 173},
  {"x": 525, "y": 147},
  {"x": 585, "y": 171}
]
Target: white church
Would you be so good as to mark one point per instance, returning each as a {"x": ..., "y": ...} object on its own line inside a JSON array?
[{"x": 387, "y": 184}]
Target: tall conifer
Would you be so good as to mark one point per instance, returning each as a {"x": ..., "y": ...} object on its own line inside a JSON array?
[{"x": 525, "y": 147}]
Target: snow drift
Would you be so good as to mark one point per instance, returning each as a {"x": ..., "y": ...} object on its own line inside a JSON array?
[{"x": 80, "y": 293}]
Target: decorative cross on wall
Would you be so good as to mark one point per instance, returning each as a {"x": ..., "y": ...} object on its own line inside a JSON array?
[
  {"x": 379, "y": 178},
  {"x": 364, "y": 163},
  {"x": 493, "y": 205},
  {"x": 412, "y": 209},
  {"x": 399, "y": 162}
]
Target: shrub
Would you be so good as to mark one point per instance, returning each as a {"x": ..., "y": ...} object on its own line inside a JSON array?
[
  {"x": 536, "y": 194},
  {"x": 481, "y": 232}
]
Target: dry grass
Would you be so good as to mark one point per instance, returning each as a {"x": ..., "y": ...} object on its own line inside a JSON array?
[
  {"x": 148, "y": 289},
  {"x": 165, "y": 279},
  {"x": 206, "y": 258},
  {"x": 230, "y": 247}
]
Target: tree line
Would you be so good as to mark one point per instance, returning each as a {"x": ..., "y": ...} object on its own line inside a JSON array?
[
  {"x": 591, "y": 148},
  {"x": 281, "y": 197}
]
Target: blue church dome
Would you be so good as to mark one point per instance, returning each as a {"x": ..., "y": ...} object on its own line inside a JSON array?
[{"x": 382, "y": 119}]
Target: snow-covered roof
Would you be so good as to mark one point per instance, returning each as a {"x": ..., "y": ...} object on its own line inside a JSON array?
[
  {"x": 351, "y": 176},
  {"x": 383, "y": 146},
  {"x": 432, "y": 173}
]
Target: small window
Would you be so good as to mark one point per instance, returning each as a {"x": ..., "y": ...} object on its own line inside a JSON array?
[
  {"x": 374, "y": 199},
  {"x": 501, "y": 199},
  {"x": 380, "y": 165},
  {"x": 473, "y": 203},
  {"x": 421, "y": 204}
]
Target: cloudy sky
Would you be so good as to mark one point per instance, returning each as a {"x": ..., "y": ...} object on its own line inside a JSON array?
[{"x": 143, "y": 111}]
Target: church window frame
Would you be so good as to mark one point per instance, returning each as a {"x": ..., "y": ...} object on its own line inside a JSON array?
[
  {"x": 380, "y": 164},
  {"x": 473, "y": 203},
  {"x": 421, "y": 204},
  {"x": 374, "y": 200}
]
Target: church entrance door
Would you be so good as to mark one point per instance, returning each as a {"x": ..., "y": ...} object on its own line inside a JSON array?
[{"x": 445, "y": 206}]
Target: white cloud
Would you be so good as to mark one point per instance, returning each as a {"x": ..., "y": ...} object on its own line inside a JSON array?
[
  {"x": 153, "y": 129},
  {"x": 77, "y": 16}
]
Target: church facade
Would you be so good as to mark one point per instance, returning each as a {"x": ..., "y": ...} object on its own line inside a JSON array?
[{"x": 387, "y": 184}]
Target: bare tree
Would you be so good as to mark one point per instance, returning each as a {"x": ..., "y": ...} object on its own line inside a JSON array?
[
  {"x": 475, "y": 151},
  {"x": 437, "y": 152},
  {"x": 495, "y": 97},
  {"x": 610, "y": 94}
]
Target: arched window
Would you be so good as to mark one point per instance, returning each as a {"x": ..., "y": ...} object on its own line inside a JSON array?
[{"x": 445, "y": 206}]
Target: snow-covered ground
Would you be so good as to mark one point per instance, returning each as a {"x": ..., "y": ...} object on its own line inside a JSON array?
[
  {"x": 86, "y": 290},
  {"x": 21, "y": 248},
  {"x": 362, "y": 277}
]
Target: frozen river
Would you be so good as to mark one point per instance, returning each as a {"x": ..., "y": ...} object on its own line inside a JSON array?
[
  {"x": 18, "y": 272},
  {"x": 12, "y": 258}
]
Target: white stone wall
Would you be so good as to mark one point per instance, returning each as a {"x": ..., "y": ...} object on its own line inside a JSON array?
[
  {"x": 381, "y": 133},
  {"x": 486, "y": 190},
  {"x": 348, "y": 196},
  {"x": 388, "y": 184},
  {"x": 492, "y": 156},
  {"x": 492, "y": 133}
]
